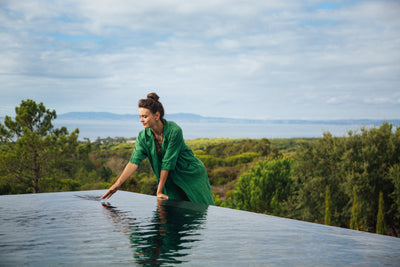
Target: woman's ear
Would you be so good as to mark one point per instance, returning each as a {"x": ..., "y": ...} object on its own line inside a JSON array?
[{"x": 157, "y": 115}]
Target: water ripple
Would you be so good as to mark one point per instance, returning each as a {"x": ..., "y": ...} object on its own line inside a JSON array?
[{"x": 164, "y": 238}]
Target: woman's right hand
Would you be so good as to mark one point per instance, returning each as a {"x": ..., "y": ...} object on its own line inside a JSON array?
[
  {"x": 114, "y": 188},
  {"x": 130, "y": 168}
]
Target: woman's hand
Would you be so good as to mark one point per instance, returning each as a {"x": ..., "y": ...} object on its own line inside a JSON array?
[
  {"x": 161, "y": 183},
  {"x": 114, "y": 188},
  {"x": 130, "y": 168},
  {"x": 161, "y": 196}
]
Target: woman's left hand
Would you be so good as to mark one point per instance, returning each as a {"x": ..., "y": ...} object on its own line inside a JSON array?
[{"x": 162, "y": 196}]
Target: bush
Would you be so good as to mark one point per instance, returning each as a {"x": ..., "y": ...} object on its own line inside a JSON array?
[
  {"x": 210, "y": 161},
  {"x": 265, "y": 186},
  {"x": 241, "y": 159},
  {"x": 223, "y": 175},
  {"x": 95, "y": 186},
  {"x": 57, "y": 185}
]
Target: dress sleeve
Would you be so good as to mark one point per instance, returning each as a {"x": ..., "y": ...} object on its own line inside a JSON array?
[
  {"x": 173, "y": 149},
  {"x": 139, "y": 152}
]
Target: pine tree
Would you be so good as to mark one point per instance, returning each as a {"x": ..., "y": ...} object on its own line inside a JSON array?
[
  {"x": 380, "y": 222},
  {"x": 32, "y": 151},
  {"x": 355, "y": 213},
  {"x": 328, "y": 207}
]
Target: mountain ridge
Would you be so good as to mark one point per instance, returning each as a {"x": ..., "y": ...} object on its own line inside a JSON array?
[{"x": 191, "y": 117}]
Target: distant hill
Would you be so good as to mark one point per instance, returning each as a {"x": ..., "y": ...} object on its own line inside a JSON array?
[
  {"x": 189, "y": 117},
  {"x": 95, "y": 116},
  {"x": 195, "y": 118},
  {"x": 103, "y": 124}
]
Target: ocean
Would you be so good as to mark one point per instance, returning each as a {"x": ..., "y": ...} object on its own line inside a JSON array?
[{"x": 93, "y": 129}]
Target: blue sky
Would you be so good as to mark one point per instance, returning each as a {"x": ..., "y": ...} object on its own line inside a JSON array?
[{"x": 241, "y": 59}]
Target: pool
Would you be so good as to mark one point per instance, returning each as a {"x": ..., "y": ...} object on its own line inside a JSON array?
[{"x": 77, "y": 229}]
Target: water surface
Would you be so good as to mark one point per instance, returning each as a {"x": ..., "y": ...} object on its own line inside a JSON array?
[
  {"x": 77, "y": 229},
  {"x": 130, "y": 128}
]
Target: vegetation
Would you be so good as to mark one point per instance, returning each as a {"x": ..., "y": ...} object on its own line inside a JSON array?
[
  {"x": 355, "y": 211},
  {"x": 356, "y": 168},
  {"x": 351, "y": 181},
  {"x": 265, "y": 187},
  {"x": 328, "y": 207},
  {"x": 35, "y": 157}
]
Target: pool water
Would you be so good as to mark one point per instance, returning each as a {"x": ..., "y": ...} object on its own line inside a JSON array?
[{"x": 77, "y": 229}]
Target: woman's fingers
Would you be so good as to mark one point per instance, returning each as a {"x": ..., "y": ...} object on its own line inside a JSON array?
[
  {"x": 162, "y": 196},
  {"x": 109, "y": 193},
  {"x": 105, "y": 195}
]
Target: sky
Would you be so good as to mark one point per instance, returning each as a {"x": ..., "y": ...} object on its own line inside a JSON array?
[{"x": 262, "y": 59}]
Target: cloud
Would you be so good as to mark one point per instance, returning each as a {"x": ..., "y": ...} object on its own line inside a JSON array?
[
  {"x": 268, "y": 58},
  {"x": 380, "y": 100}
]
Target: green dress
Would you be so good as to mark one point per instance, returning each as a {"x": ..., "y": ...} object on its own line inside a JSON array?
[{"x": 187, "y": 177}]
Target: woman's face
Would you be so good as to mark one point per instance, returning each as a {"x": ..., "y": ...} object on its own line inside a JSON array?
[{"x": 147, "y": 118}]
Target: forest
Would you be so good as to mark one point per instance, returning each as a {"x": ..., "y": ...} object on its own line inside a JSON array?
[{"x": 351, "y": 181}]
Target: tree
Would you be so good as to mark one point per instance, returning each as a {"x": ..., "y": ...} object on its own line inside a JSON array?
[
  {"x": 356, "y": 168},
  {"x": 355, "y": 213},
  {"x": 30, "y": 117},
  {"x": 394, "y": 174},
  {"x": 369, "y": 164},
  {"x": 33, "y": 150},
  {"x": 380, "y": 224},
  {"x": 328, "y": 207},
  {"x": 318, "y": 166},
  {"x": 265, "y": 186}
]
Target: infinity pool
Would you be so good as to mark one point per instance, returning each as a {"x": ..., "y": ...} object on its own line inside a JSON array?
[{"x": 77, "y": 229}]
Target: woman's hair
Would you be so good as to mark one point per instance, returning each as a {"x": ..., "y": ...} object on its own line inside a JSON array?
[{"x": 152, "y": 103}]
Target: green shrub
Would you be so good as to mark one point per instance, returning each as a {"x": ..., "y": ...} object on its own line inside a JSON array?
[{"x": 242, "y": 158}]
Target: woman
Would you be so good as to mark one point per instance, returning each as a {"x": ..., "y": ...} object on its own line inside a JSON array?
[{"x": 180, "y": 174}]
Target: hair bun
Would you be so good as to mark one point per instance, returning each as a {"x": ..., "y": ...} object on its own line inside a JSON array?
[
  {"x": 152, "y": 103},
  {"x": 153, "y": 96}
]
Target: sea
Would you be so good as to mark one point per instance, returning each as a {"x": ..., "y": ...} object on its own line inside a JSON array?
[{"x": 128, "y": 128}]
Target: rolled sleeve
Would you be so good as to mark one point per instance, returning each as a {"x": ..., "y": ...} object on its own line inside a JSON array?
[
  {"x": 173, "y": 149},
  {"x": 139, "y": 152}
]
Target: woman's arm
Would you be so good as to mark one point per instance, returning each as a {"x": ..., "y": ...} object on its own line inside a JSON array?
[
  {"x": 128, "y": 171},
  {"x": 161, "y": 183}
]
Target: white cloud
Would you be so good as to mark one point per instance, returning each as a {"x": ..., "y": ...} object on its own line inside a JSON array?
[
  {"x": 379, "y": 100},
  {"x": 285, "y": 58},
  {"x": 227, "y": 44}
]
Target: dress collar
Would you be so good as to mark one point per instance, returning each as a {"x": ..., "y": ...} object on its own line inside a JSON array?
[{"x": 150, "y": 133}]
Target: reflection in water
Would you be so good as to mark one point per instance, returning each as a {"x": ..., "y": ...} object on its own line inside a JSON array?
[{"x": 168, "y": 236}]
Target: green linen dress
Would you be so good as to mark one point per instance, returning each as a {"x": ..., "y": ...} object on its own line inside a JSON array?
[{"x": 187, "y": 178}]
